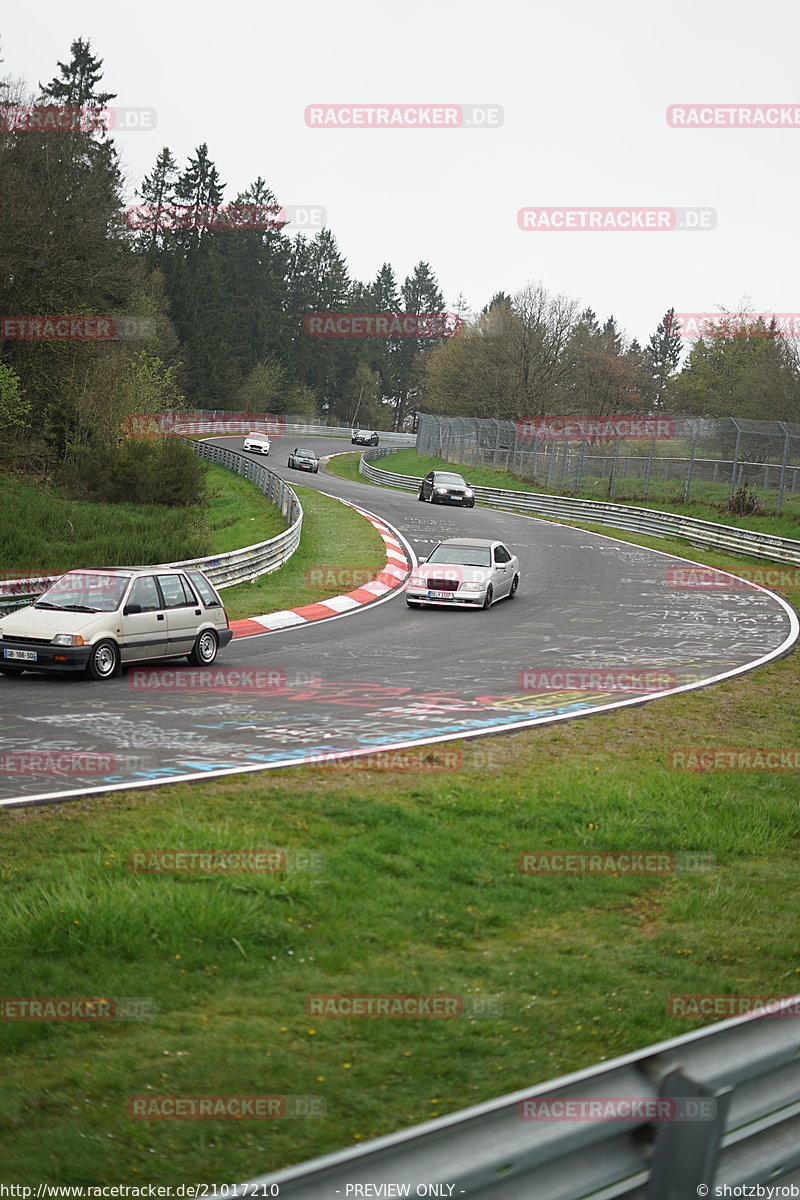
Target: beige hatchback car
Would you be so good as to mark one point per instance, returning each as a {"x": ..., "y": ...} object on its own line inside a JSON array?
[{"x": 94, "y": 621}]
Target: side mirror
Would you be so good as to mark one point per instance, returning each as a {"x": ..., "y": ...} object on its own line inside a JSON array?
[
  {"x": 130, "y": 609},
  {"x": 420, "y": 561}
]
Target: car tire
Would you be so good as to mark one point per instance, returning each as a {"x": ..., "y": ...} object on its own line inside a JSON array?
[
  {"x": 471, "y": 504},
  {"x": 290, "y": 463},
  {"x": 104, "y": 661},
  {"x": 204, "y": 651},
  {"x": 514, "y": 587},
  {"x": 487, "y": 600},
  {"x": 412, "y": 603},
  {"x": 11, "y": 670}
]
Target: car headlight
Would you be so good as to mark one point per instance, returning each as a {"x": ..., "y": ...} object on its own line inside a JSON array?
[
  {"x": 417, "y": 581},
  {"x": 468, "y": 492},
  {"x": 473, "y": 585},
  {"x": 442, "y": 490},
  {"x": 68, "y": 639}
]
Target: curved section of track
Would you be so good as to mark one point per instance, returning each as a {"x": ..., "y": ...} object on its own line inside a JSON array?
[{"x": 387, "y": 676}]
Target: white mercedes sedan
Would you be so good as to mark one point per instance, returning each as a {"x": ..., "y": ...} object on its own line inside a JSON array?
[{"x": 466, "y": 572}]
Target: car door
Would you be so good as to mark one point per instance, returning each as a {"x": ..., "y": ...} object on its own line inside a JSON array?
[
  {"x": 427, "y": 486},
  {"x": 144, "y": 632},
  {"x": 503, "y": 571},
  {"x": 184, "y": 613}
]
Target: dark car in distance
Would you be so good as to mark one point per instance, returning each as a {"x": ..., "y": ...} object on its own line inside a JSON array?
[{"x": 445, "y": 487}]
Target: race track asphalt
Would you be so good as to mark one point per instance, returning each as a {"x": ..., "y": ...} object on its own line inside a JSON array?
[{"x": 388, "y": 676}]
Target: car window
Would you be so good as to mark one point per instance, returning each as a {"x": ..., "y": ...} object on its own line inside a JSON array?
[
  {"x": 176, "y": 591},
  {"x": 465, "y": 556},
  {"x": 207, "y": 594},
  {"x": 445, "y": 477},
  {"x": 501, "y": 555},
  {"x": 145, "y": 593}
]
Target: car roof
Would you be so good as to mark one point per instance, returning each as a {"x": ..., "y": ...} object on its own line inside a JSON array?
[
  {"x": 472, "y": 542},
  {"x": 161, "y": 568},
  {"x": 300, "y": 450}
]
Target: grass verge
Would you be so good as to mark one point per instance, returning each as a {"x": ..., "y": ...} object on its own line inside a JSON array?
[
  {"x": 408, "y": 462},
  {"x": 47, "y": 532},
  {"x": 417, "y": 891}
]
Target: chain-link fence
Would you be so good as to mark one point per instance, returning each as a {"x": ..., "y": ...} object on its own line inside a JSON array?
[{"x": 706, "y": 459}]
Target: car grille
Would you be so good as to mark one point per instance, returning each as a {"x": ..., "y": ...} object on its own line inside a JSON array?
[
  {"x": 442, "y": 585},
  {"x": 24, "y": 641}
]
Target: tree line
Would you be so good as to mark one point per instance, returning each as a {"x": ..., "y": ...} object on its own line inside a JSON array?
[{"x": 223, "y": 304}]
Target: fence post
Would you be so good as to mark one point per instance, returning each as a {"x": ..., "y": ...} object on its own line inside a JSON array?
[
  {"x": 649, "y": 468},
  {"x": 690, "y": 468},
  {"x": 784, "y": 463},
  {"x": 735, "y": 463},
  {"x": 614, "y": 468}
]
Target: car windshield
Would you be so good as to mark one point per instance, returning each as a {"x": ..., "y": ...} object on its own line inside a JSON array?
[
  {"x": 465, "y": 556},
  {"x": 449, "y": 480},
  {"x": 306, "y": 453},
  {"x": 85, "y": 591}
]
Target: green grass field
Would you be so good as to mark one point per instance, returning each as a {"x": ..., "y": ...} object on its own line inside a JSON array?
[
  {"x": 47, "y": 532},
  {"x": 666, "y": 497}
]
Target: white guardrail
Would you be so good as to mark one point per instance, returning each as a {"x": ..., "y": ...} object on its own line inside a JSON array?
[
  {"x": 224, "y": 570},
  {"x": 707, "y": 534},
  {"x": 716, "y": 1107}
]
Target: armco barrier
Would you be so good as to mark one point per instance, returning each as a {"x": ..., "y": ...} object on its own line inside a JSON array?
[
  {"x": 237, "y": 566},
  {"x": 620, "y": 516},
  {"x": 222, "y": 427},
  {"x": 740, "y": 1079}
]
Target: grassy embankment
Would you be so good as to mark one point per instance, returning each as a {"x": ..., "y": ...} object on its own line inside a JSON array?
[{"x": 666, "y": 497}]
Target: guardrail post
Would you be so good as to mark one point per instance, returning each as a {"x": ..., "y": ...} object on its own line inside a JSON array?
[{"x": 687, "y": 1149}]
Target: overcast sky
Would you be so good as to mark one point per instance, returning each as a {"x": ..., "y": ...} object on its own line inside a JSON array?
[{"x": 584, "y": 89}]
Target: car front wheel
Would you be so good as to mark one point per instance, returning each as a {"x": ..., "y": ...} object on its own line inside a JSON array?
[
  {"x": 487, "y": 600},
  {"x": 514, "y": 587},
  {"x": 103, "y": 661},
  {"x": 204, "y": 650}
]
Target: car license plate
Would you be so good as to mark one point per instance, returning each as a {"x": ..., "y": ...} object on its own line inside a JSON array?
[
  {"x": 23, "y": 655},
  {"x": 439, "y": 595}
]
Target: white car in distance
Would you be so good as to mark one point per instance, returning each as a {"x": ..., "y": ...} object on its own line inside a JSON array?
[{"x": 258, "y": 443}]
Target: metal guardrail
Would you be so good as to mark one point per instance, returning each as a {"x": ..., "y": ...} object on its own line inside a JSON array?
[
  {"x": 737, "y": 1084},
  {"x": 224, "y": 570},
  {"x": 222, "y": 427},
  {"x": 707, "y": 534}
]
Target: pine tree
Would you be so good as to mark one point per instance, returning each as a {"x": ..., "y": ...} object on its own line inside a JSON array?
[{"x": 662, "y": 355}]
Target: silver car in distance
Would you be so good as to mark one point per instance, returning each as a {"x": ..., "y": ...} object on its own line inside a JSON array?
[{"x": 465, "y": 572}]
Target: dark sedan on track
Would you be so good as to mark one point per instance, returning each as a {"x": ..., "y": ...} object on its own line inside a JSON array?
[
  {"x": 364, "y": 437},
  {"x": 445, "y": 487},
  {"x": 303, "y": 460}
]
